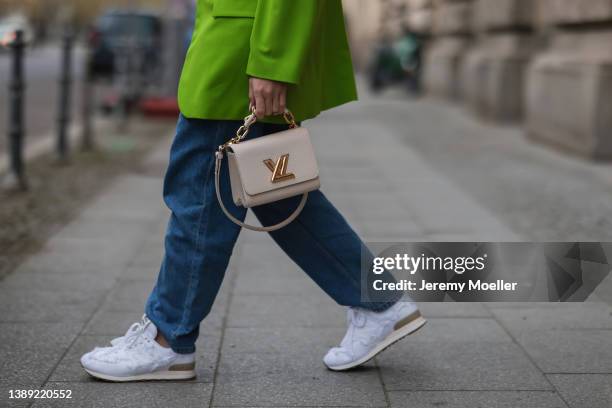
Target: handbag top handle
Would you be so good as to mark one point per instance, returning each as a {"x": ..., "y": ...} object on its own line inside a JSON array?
[{"x": 249, "y": 121}]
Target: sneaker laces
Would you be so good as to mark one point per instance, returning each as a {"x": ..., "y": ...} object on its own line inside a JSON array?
[
  {"x": 135, "y": 332},
  {"x": 356, "y": 317}
]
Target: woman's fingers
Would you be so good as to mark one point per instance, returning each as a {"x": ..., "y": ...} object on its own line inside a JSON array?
[
  {"x": 251, "y": 96},
  {"x": 260, "y": 105},
  {"x": 267, "y": 96},
  {"x": 276, "y": 102},
  {"x": 282, "y": 102}
]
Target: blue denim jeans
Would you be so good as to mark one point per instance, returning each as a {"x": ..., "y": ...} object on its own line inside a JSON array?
[{"x": 200, "y": 239}]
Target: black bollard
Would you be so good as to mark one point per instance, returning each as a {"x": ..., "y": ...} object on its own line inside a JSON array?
[
  {"x": 87, "y": 135},
  {"x": 16, "y": 177},
  {"x": 65, "y": 96}
]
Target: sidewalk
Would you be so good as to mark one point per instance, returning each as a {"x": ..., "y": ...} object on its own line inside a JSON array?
[{"x": 263, "y": 343}]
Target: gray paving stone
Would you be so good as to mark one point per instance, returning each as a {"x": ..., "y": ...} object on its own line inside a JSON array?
[
  {"x": 399, "y": 219},
  {"x": 282, "y": 285},
  {"x": 112, "y": 229},
  {"x": 111, "y": 323},
  {"x": 141, "y": 273},
  {"x": 131, "y": 197},
  {"x": 114, "y": 207},
  {"x": 285, "y": 311},
  {"x": 57, "y": 281},
  {"x": 390, "y": 237},
  {"x": 268, "y": 379},
  {"x": 136, "y": 186},
  {"x": 450, "y": 309},
  {"x": 366, "y": 173},
  {"x": 62, "y": 263},
  {"x": 117, "y": 205},
  {"x": 603, "y": 292},
  {"x": 35, "y": 365},
  {"x": 370, "y": 208},
  {"x": 584, "y": 390},
  {"x": 265, "y": 260},
  {"x": 562, "y": 316},
  {"x": 569, "y": 351},
  {"x": 397, "y": 227},
  {"x": 454, "y": 365},
  {"x": 48, "y": 306},
  {"x": 96, "y": 246},
  {"x": 471, "y": 399},
  {"x": 525, "y": 305},
  {"x": 26, "y": 337},
  {"x": 468, "y": 330},
  {"x": 349, "y": 184},
  {"x": 143, "y": 395},
  {"x": 461, "y": 236},
  {"x": 282, "y": 280},
  {"x": 150, "y": 256},
  {"x": 311, "y": 342},
  {"x": 129, "y": 296}
]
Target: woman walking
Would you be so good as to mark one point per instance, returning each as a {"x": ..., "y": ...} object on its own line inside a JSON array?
[{"x": 269, "y": 55}]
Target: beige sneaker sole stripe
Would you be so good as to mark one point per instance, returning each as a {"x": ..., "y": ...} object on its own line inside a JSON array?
[
  {"x": 407, "y": 320},
  {"x": 182, "y": 367}
]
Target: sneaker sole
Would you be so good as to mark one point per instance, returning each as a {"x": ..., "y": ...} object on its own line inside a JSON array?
[
  {"x": 156, "y": 376},
  {"x": 411, "y": 327}
]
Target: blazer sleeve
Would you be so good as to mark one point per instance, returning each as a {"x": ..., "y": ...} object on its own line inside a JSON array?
[{"x": 281, "y": 37}]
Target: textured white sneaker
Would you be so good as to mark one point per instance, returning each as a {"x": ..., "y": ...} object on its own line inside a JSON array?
[
  {"x": 139, "y": 357},
  {"x": 369, "y": 333}
]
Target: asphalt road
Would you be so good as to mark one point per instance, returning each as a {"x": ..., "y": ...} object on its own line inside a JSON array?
[{"x": 43, "y": 66}]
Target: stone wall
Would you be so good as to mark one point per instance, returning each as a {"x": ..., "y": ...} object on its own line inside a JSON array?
[
  {"x": 452, "y": 27},
  {"x": 569, "y": 85},
  {"x": 364, "y": 20},
  {"x": 544, "y": 63},
  {"x": 494, "y": 71}
]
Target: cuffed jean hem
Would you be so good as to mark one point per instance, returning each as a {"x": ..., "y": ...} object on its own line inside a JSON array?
[
  {"x": 379, "y": 307},
  {"x": 179, "y": 347},
  {"x": 182, "y": 349},
  {"x": 390, "y": 301}
]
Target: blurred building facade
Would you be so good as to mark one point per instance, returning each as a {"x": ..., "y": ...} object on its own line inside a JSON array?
[
  {"x": 545, "y": 63},
  {"x": 44, "y": 13}
]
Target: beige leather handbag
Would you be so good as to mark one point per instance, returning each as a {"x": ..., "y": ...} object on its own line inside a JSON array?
[{"x": 269, "y": 168}]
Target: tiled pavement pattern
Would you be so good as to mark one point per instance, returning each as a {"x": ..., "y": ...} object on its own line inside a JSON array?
[{"x": 263, "y": 343}]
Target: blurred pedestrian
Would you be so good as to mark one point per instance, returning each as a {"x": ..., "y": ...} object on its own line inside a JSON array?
[{"x": 271, "y": 54}]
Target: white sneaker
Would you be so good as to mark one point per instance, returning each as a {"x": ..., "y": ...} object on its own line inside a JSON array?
[
  {"x": 369, "y": 333},
  {"x": 139, "y": 357}
]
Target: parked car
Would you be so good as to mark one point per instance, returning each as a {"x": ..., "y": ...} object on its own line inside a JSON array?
[
  {"x": 10, "y": 24},
  {"x": 116, "y": 30}
]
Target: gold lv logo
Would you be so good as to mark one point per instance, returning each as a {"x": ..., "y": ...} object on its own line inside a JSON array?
[{"x": 279, "y": 169}]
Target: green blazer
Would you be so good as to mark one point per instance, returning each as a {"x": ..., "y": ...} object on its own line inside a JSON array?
[{"x": 300, "y": 42}]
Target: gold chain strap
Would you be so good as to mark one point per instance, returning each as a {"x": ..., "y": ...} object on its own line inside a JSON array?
[{"x": 249, "y": 121}]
